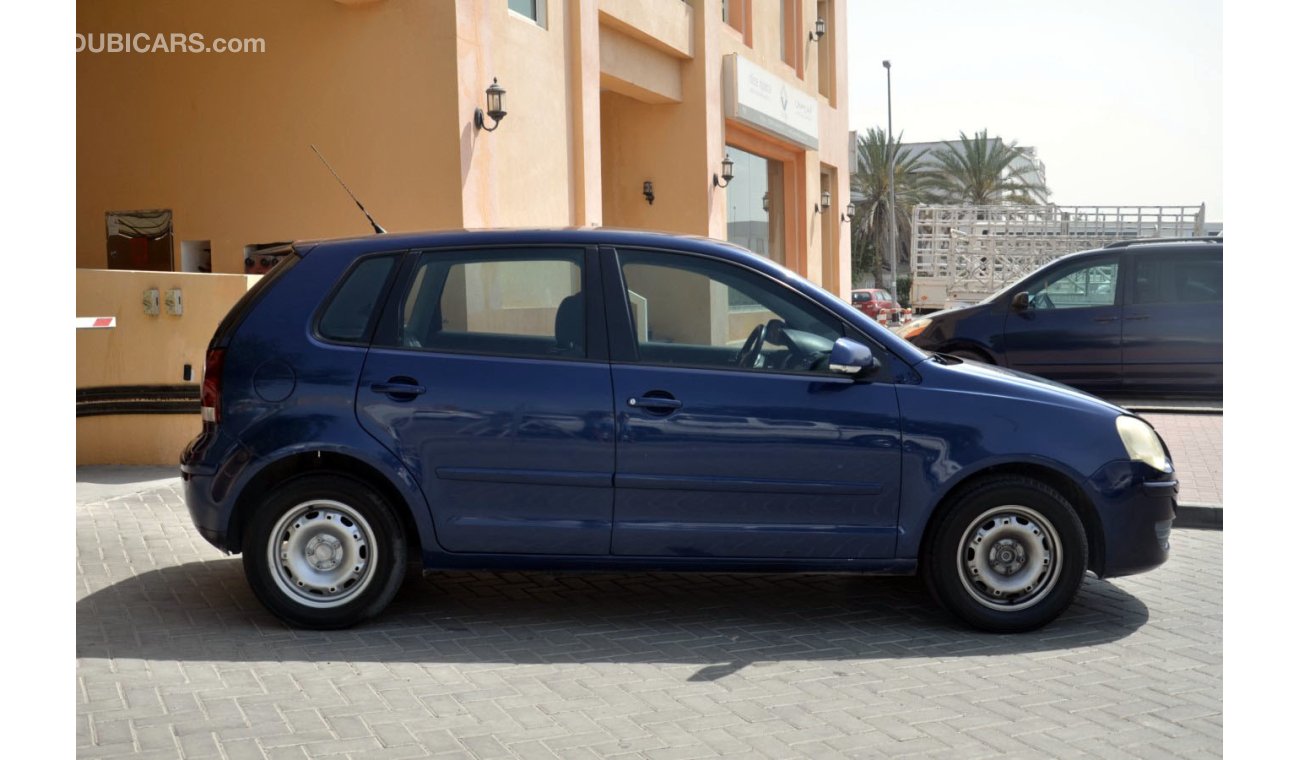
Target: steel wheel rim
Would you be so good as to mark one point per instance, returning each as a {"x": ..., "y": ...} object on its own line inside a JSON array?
[
  {"x": 1009, "y": 558},
  {"x": 320, "y": 553}
]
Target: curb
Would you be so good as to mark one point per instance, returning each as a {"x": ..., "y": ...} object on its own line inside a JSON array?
[{"x": 1200, "y": 516}]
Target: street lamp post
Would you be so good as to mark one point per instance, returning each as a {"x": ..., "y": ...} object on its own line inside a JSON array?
[{"x": 893, "y": 151}]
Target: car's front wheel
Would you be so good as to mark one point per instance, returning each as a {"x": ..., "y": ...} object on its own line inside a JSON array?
[
  {"x": 1008, "y": 555},
  {"x": 324, "y": 551}
]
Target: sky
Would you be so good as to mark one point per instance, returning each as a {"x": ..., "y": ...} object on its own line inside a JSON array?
[{"x": 1123, "y": 100}]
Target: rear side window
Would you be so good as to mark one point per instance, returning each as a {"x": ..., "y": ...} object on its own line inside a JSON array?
[
  {"x": 506, "y": 302},
  {"x": 1192, "y": 278},
  {"x": 347, "y": 315}
]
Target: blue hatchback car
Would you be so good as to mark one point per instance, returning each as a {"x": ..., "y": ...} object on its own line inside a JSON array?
[{"x": 606, "y": 400}]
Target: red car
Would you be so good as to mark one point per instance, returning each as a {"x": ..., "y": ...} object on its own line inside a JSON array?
[{"x": 872, "y": 301}]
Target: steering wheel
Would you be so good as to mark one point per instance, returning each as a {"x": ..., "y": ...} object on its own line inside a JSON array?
[{"x": 753, "y": 347}]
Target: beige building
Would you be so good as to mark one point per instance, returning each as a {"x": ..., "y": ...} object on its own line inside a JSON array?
[{"x": 618, "y": 113}]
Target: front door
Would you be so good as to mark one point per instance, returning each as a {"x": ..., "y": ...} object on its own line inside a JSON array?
[
  {"x": 1071, "y": 331},
  {"x": 734, "y": 440},
  {"x": 488, "y": 378}
]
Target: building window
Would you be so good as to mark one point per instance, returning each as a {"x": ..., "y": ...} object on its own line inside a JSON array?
[
  {"x": 790, "y": 33},
  {"x": 534, "y": 10},
  {"x": 826, "y": 53},
  {"x": 733, "y": 13},
  {"x": 756, "y": 204},
  {"x": 140, "y": 240}
]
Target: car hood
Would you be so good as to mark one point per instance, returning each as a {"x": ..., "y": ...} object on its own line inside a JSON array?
[
  {"x": 957, "y": 312},
  {"x": 986, "y": 378}
]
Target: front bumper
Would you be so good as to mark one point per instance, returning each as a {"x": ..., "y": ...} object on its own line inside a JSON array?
[{"x": 1136, "y": 507}]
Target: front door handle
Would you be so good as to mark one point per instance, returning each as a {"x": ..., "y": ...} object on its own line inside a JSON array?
[
  {"x": 655, "y": 404},
  {"x": 400, "y": 388},
  {"x": 1105, "y": 319}
]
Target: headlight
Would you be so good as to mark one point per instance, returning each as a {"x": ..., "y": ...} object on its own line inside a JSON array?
[
  {"x": 916, "y": 328},
  {"x": 1142, "y": 443}
]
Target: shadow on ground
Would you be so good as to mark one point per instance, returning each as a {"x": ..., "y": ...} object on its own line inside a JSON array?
[{"x": 723, "y": 622}]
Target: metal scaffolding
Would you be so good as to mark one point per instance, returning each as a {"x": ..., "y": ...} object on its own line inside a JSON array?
[{"x": 962, "y": 254}]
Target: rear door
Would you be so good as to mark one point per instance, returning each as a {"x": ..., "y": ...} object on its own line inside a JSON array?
[
  {"x": 1173, "y": 322},
  {"x": 489, "y": 378},
  {"x": 1071, "y": 331}
]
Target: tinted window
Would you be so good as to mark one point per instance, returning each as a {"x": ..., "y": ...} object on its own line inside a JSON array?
[
  {"x": 348, "y": 314},
  {"x": 1193, "y": 278},
  {"x": 1085, "y": 284},
  {"x": 518, "y": 303},
  {"x": 691, "y": 310}
]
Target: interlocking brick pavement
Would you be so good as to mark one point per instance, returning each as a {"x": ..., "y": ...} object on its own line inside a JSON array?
[
  {"x": 1195, "y": 441},
  {"x": 175, "y": 658}
]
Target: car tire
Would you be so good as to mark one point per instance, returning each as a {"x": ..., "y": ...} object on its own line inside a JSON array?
[
  {"x": 324, "y": 552},
  {"x": 1007, "y": 555}
]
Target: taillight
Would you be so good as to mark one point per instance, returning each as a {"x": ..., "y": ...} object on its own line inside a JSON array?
[{"x": 210, "y": 397}]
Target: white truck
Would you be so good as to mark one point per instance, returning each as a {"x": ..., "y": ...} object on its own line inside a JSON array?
[{"x": 963, "y": 254}]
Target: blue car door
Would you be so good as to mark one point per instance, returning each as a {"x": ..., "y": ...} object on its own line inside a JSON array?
[
  {"x": 733, "y": 439},
  {"x": 488, "y": 377}
]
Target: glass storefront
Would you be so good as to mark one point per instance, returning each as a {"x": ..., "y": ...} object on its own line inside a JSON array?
[{"x": 756, "y": 204}]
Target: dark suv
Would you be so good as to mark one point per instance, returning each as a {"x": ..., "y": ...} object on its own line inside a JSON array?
[
  {"x": 1139, "y": 317},
  {"x": 593, "y": 399}
]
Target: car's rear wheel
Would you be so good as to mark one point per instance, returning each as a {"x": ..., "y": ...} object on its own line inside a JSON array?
[
  {"x": 324, "y": 551},
  {"x": 1007, "y": 555}
]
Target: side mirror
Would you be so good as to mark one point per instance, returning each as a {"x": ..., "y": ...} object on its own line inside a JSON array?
[
  {"x": 848, "y": 357},
  {"x": 1020, "y": 301}
]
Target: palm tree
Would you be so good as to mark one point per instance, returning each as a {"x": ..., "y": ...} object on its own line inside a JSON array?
[
  {"x": 984, "y": 172},
  {"x": 870, "y": 183}
]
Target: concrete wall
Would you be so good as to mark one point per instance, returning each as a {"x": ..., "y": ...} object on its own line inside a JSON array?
[{"x": 145, "y": 350}]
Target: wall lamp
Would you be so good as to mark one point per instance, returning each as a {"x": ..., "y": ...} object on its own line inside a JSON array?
[
  {"x": 495, "y": 107},
  {"x": 648, "y": 190},
  {"x": 767, "y": 202},
  {"x": 819, "y": 31},
  {"x": 849, "y": 211},
  {"x": 727, "y": 172}
]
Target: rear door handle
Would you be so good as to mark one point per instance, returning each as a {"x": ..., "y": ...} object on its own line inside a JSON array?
[
  {"x": 1139, "y": 316},
  {"x": 1105, "y": 319},
  {"x": 399, "y": 388}
]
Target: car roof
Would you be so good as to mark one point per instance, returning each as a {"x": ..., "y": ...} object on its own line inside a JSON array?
[
  {"x": 1148, "y": 246},
  {"x": 519, "y": 235}
]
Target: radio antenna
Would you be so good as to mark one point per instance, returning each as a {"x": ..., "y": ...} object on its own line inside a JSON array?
[{"x": 378, "y": 230}]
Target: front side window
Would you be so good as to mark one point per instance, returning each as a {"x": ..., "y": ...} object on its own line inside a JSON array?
[
  {"x": 513, "y": 303},
  {"x": 1090, "y": 284},
  {"x": 694, "y": 311}
]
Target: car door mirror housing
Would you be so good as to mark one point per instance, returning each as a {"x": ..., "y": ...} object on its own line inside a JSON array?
[
  {"x": 1020, "y": 301},
  {"x": 848, "y": 357}
]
